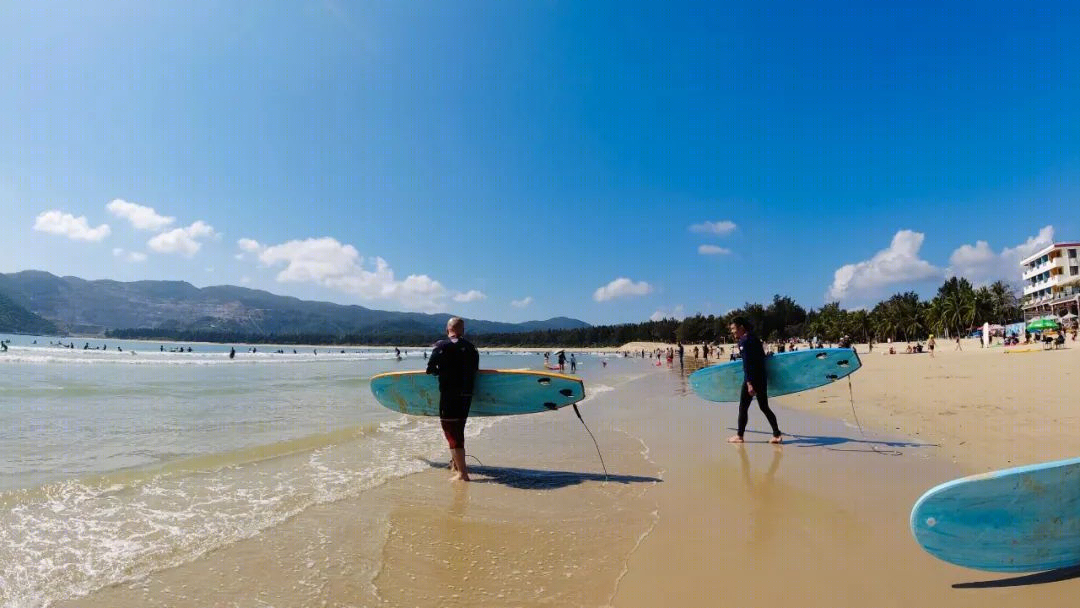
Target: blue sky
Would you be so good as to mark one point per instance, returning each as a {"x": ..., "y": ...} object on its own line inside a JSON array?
[{"x": 515, "y": 160}]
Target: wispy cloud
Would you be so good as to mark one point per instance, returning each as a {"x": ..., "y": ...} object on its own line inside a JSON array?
[
  {"x": 712, "y": 250},
  {"x": 185, "y": 241},
  {"x": 522, "y": 303},
  {"x": 326, "y": 261},
  {"x": 469, "y": 296},
  {"x": 140, "y": 216},
  {"x": 676, "y": 313},
  {"x": 721, "y": 227},
  {"x": 75, "y": 228},
  {"x": 620, "y": 288},
  {"x": 248, "y": 245},
  {"x": 131, "y": 256},
  {"x": 981, "y": 265}
]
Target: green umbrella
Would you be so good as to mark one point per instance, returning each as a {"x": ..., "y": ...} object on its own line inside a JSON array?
[{"x": 1042, "y": 324}]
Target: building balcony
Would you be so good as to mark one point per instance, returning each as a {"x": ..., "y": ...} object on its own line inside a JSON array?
[
  {"x": 1058, "y": 262},
  {"x": 1068, "y": 293}
]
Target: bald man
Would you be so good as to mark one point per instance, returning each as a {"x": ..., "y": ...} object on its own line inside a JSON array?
[{"x": 455, "y": 361}]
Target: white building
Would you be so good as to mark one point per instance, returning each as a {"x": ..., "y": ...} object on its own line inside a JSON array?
[{"x": 1051, "y": 281}]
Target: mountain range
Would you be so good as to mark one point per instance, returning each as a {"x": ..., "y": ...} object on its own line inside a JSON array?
[{"x": 35, "y": 300}]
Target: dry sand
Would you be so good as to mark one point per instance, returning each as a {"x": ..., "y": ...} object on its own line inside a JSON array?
[
  {"x": 987, "y": 408},
  {"x": 685, "y": 519}
]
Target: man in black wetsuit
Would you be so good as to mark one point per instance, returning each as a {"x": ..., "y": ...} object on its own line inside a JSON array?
[
  {"x": 455, "y": 361},
  {"x": 755, "y": 381}
]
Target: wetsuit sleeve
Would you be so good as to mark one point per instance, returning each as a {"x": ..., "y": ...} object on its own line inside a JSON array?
[
  {"x": 433, "y": 360},
  {"x": 472, "y": 365},
  {"x": 753, "y": 356}
]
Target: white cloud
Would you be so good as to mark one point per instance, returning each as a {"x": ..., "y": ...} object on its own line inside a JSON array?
[
  {"x": 327, "y": 262},
  {"x": 522, "y": 303},
  {"x": 676, "y": 313},
  {"x": 74, "y": 228},
  {"x": 722, "y": 227},
  {"x": 131, "y": 256},
  {"x": 981, "y": 265},
  {"x": 899, "y": 264},
  {"x": 140, "y": 216},
  {"x": 712, "y": 250},
  {"x": 245, "y": 280},
  {"x": 621, "y": 287},
  {"x": 184, "y": 241},
  {"x": 469, "y": 296},
  {"x": 249, "y": 245}
]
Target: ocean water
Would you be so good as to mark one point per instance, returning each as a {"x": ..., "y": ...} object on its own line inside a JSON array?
[{"x": 123, "y": 461}]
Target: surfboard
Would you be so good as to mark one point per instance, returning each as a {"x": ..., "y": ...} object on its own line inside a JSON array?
[
  {"x": 1025, "y": 519},
  {"x": 496, "y": 392},
  {"x": 787, "y": 373}
]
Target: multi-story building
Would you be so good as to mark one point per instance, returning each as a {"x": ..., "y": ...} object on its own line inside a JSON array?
[{"x": 1051, "y": 281}]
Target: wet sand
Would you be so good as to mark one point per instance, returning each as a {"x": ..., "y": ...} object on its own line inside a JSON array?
[{"x": 684, "y": 519}]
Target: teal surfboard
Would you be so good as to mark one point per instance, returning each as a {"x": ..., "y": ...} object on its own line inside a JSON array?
[
  {"x": 787, "y": 373},
  {"x": 1025, "y": 519},
  {"x": 496, "y": 392}
]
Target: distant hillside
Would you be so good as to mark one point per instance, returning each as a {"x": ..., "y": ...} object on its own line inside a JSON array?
[
  {"x": 15, "y": 319},
  {"x": 80, "y": 306}
]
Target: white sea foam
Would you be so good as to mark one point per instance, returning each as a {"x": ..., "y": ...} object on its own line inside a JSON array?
[
  {"x": 71, "y": 538},
  {"x": 593, "y": 391},
  {"x": 76, "y": 357}
]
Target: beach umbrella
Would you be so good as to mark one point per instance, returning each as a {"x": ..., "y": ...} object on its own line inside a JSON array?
[{"x": 1042, "y": 324}]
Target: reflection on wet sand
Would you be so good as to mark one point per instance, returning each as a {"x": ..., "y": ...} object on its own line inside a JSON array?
[{"x": 765, "y": 505}]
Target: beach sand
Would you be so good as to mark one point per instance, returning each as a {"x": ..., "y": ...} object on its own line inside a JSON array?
[{"x": 684, "y": 519}]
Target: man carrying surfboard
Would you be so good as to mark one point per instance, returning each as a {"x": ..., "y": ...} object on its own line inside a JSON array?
[
  {"x": 455, "y": 361},
  {"x": 755, "y": 380}
]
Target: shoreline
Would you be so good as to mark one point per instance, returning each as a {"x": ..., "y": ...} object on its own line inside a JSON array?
[{"x": 685, "y": 519}]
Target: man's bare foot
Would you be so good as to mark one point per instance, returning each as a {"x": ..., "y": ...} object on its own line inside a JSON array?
[
  {"x": 776, "y": 440},
  {"x": 735, "y": 439},
  {"x": 459, "y": 477}
]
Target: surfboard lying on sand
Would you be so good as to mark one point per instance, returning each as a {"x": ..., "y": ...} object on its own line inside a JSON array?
[
  {"x": 1025, "y": 519},
  {"x": 496, "y": 392},
  {"x": 787, "y": 373}
]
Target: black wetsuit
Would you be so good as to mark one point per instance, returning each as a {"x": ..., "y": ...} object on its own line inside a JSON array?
[
  {"x": 455, "y": 363},
  {"x": 753, "y": 358}
]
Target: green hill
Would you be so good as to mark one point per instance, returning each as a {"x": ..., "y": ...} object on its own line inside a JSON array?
[
  {"x": 163, "y": 308},
  {"x": 15, "y": 319}
]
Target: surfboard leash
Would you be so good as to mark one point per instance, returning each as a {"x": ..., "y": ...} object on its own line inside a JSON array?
[
  {"x": 574, "y": 405},
  {"x": 851, "y": 395}
]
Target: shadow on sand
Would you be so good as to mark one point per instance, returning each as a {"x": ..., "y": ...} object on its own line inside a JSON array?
[
  {"x": 535, "y": 479},
  {"x": 830, "y": 442},
  {"x": 1039, "y": 578}
]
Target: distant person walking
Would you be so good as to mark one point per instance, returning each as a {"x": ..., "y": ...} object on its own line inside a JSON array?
[
  {"x": 573, "y": 363},
  {"x": 755, "y": 381},
  {"x": 455, "y": 361}
]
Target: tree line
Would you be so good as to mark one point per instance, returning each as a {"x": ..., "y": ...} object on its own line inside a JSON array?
[{"x": 956, "y": 309}]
